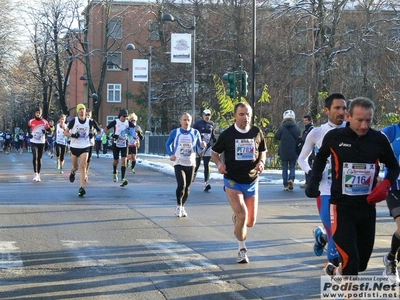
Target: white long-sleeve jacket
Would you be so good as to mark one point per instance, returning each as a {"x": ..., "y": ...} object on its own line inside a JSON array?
[{"x": 313, "y": 142}]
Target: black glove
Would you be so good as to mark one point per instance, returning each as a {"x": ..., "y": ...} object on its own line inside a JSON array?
[
  {"x": 115, "y": 136},
  {"x": 75, "y": 135},
  {"x": 90, "y": 135},
  {"x": 43, "y": 131},
  {"x": 312, "y": 189}
]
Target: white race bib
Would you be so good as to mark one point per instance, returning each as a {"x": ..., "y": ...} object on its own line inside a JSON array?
[{"x": 358, "y": 178}]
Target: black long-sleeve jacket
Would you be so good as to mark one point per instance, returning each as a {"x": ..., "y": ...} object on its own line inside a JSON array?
[{"x": 346, "y": 148}]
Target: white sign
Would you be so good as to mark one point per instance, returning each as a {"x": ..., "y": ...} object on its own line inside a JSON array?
[
  {"x": 140, "y": 70},
  {"x": 358, "y": 287},
  {"x": 181, "y": 48}
]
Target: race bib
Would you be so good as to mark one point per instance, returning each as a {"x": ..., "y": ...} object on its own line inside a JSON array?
[
  {"x": 357, "y": 178},
  {"x": 244, "y": 149},
  {"x": 185, "y": 149}
]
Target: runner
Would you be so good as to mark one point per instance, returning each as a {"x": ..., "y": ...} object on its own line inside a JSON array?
[
  {"x": 356, "y": 150},
  {"x": 80, "y": 130},
  {"x": 120, "y": 142},
  {"x": 206, "y": 128},
  {"x": 92, "y": 142},
  {"x": 390, "y": 260},
  {"x": 245, "y": 150},
  {"x": 134, "y": 143},
  {"x": 335, "y": 109},
  {"x": 38, "y": 127},
  {"x": 60, "y": 142},
  {"x": 181, "y": 147}
]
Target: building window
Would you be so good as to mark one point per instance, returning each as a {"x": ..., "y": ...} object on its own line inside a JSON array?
[
  {"x": 299, "y": 67},
  {"x": 110, "y": 119},
  {"x": 299, "y": 95},
  {"x": 153, "y": 31},
  {"x": 116, "y": 58},
  {"x": 113, "y": 92},
  {"x": 115, "y": 29}
]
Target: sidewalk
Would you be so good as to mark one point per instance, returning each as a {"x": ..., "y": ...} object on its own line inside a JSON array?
[{"x": 163, "y": 164}]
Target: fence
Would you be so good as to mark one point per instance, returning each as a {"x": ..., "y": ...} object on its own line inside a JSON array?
[{"x": 155, "y": 144}]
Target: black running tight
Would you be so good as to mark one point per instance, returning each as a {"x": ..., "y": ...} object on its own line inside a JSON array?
[
  {"x": 37, "y": 153},
  {"x": 184, "y": 176},
  {"x": 60, "y": 151}
]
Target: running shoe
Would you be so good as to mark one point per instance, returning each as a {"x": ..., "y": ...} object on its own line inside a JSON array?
[
  {"x": 81, "y": 192},
  {"x": 290, "y": 185},
  {"x": 72, "y": 177},
  {"x": 38, "y": 177},
  {"x": 242, "y": 256},
  {"x": 124, "y": 182},
  {"x": 184, "y": 213},
  {"x": 115, "y": 177},
  {"x": 207, "y": 187},
  {"x": 35, "y": 177},
  {"x": 178, "y": 211},
  {"x": 329, "y": 269},
  {"x": 391, "y": 270},
  {"x": 285, "y": 188},
  {"x": 319, "y": 241},
  {"x": 133, "y": 171},
  {"x": 61, "y": 171}
]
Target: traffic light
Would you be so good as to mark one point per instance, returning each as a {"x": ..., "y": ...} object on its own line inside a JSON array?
[
  {"x": 232, "y": 84},
  {"x": 243, "y": 88}
]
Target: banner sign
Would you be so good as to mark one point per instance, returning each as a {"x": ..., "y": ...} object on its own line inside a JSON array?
[
  {"x": 181, "y": 48},
  {"x": 140, "y": 70}
]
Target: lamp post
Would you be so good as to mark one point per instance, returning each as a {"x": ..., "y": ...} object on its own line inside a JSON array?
[
  {"x": 132, "y": 47},
  {"x": 170, "y": 18}
]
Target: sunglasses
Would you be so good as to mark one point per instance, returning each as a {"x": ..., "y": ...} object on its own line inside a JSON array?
[
  {"x": 125, "y": 116},
  {"x": 207, "y": 115}
]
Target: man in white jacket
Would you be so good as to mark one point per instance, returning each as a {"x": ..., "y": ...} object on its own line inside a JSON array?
[{"x": 335, "y": 109}]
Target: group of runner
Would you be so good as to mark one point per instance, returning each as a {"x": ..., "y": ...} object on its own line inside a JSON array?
[{"x": 78, "y": 136}]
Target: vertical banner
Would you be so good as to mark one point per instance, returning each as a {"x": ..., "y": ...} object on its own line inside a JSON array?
[
  {"x": 181, "y": 48},
  {"x": 140, "y": 70}
]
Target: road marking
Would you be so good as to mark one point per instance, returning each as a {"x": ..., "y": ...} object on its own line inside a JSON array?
[
  {"x": 10, "y": 255},
  {"x": 85, "y": 252}
]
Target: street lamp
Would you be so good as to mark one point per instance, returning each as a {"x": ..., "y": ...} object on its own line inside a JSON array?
[
  {"x": 170, "y": 18},
  {"x": 132, "y": 47}
]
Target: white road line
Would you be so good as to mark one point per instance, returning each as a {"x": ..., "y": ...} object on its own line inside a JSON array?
[
  {"x": 181, "y": 258},
  {"x": 10, "y": 255},
  {"x": 82, "y": 251}
]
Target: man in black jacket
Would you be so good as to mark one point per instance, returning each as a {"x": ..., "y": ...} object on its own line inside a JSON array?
[{"x": 356, "y": 152}]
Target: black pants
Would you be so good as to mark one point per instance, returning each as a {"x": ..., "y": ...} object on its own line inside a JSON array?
[
  {"x": 60, "y": 151},
  {"x": 184, "y": 176},
  {"x": 37, "y": 154},
  {"x": 354, "y": 236},
  {"x": 206, "y": 163}
]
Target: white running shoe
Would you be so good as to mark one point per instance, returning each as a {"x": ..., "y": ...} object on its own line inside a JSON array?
[
  {"x": 242, "y": 256},
  {"x": 184, "y": 213},
  {"x": 38, "y": 177},
  {"x": 178, "y": 211},
  {"x": 35, "y": 176},
  {"x": 391, "y": 270}
]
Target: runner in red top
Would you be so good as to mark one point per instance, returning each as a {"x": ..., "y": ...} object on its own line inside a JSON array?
[{"x": 38, "y": 127}]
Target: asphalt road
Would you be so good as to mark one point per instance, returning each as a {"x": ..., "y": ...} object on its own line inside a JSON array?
[{"x": 126, "y": 243}]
